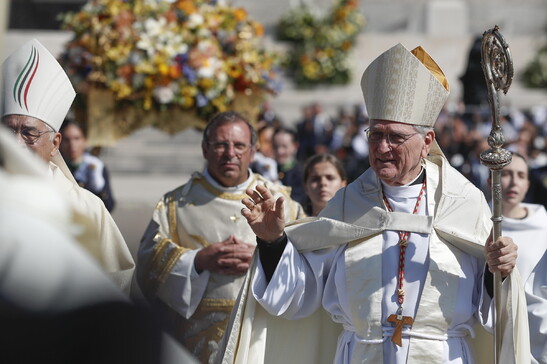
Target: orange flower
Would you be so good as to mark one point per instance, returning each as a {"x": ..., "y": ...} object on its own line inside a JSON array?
[
  {"x": 170, "y": 16},
  {"x": 259, "y": 29},
  {"x": 186, "y": 6},
  {"x": 125, "y": 71},
  {"x": 346, "y": 45},
  {"x": 174, "y": 71},
  {"x": 240, "y": 14},
  {"x": 164, "y": 81}
]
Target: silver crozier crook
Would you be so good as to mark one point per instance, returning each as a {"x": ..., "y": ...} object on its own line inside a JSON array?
[{"x": 497, "y": 66}]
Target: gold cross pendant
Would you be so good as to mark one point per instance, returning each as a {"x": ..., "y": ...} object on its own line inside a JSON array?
[{"x": 399, "y": 321}]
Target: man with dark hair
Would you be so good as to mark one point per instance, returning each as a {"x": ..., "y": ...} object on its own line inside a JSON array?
[{"x": 197, "y": 247}]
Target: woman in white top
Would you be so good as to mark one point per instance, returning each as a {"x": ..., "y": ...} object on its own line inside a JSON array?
[{"x": 527, "y": 224}]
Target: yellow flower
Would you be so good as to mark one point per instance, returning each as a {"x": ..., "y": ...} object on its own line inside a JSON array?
[
  {"x": 206, "y": 83},
  {"x": 117, "y": 53},
  {"x": 220, "y": 104},
  {"x": 163, "y": 69},
  {"x": 188, "y": 91},
  {"x": 311, "y": 70},
  {"x": 188, "y": 102},
  {"x": 121, "y": 89},
  {"x": 149, "y": 82},
  {"x": 234, "y": 72},
  {"x": 147, "y": 104},
  {"x": 144, "y": 67}
]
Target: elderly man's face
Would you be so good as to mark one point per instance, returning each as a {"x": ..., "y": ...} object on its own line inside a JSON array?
[
  {"x": 229, "y": 153},
  {"x": 34, "y": 134},
  {"x": 397, "y": 161}
]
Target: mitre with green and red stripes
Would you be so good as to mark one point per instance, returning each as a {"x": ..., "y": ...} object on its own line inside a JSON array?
[{"x": 35, "y": 84}]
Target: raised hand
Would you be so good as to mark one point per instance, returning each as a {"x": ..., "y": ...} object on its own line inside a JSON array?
[
  {"x": 265, "y": 215},
  {"x": 231, "y": 257},
  {"x": 501, "y": 255}
]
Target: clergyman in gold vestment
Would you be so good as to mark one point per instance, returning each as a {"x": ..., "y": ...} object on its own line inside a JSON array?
[{"x": 197, "y": 247}]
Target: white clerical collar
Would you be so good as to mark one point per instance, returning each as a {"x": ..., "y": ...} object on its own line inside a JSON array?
[
  {"x": 407, "y": 189},
  {"x": 234, "y": 189}
]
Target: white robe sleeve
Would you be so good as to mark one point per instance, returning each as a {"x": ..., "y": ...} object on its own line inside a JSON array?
[
  {"x": 296, "y": 287},
  {"x": 184, "y": 287}
]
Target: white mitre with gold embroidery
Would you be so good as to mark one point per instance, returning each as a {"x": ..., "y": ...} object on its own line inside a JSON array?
[
  {"x": 35, "y": 84},
  {"x": 406, "y": 87}
]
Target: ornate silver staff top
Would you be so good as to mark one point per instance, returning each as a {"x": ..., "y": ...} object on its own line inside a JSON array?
[{"x": 497, "y": 66}]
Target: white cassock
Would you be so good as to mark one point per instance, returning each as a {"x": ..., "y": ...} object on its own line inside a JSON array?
[
  {"x": 530, "y": 234},
  {"x": 290, "y": 296},
  {"x": 355, "y": 281}
]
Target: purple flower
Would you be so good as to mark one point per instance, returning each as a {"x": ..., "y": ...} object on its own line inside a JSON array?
[
  {"x": 201, "y": 100},
  {"x": 272, "y": 83},
  {"x": 190, "y": 74}
]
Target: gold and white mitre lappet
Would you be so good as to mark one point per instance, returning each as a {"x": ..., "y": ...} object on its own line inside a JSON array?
[{"x": 35, "y": 85}]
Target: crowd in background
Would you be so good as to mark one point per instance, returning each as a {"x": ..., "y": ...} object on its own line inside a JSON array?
[{"x": 461, "y": 131}]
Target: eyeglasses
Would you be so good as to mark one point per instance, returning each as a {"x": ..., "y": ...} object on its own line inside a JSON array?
[
  {"x": 30, "y": 135},
  {"x": 395, "y": 139},
  {"x": 222, "y": 147}
]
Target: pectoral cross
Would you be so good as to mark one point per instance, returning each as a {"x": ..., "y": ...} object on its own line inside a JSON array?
[
  {"x": 399, "y": 320},
  {"x": 235, "y": 218}
]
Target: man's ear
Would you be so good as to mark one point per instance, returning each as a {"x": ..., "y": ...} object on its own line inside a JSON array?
[
  {"x": 429, "y": 137},
  {"x": 56, "y": 143}
]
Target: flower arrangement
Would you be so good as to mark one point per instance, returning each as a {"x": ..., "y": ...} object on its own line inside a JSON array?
[
  {"x": 320, "y": 46},
  {"x": 196, "y": 56}
]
